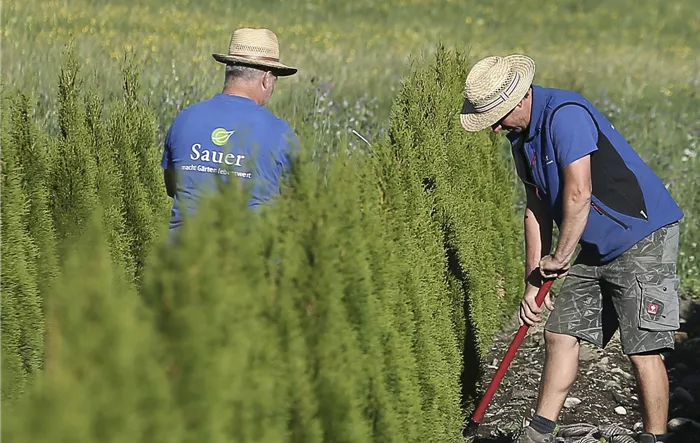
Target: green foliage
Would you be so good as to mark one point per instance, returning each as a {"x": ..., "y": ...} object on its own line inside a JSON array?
[
  {"x": 335, "y": 314},
  {"x": 29, "y": 144},
  {"x": 212, "y": 303},
  {"x": 109, "y": 183},
  {"x": 131, "y": 128},
  {"x": 110, "y": 161},
  {"x": 73, "y": 176},
  {"x": 105, "y": 378},
  {"x": 358, "y": 233},
  {"x": 467, "y": 190},
  {"x": 22, "y": 319},
  {"x": 53, "y": 186},
  {"x": 334, "y": 346}
]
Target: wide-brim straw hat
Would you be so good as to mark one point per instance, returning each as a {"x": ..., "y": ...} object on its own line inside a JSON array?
[
  {"x": 494, "y": 86},
  {"x": 255, "y": 47}
]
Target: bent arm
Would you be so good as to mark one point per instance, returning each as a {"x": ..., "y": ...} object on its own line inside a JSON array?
[
  {"x": 169, "y": 174},
  {"x": 538, "y": 235},
  {"x": 576, "y": 207},
  {"x": 170, "y": 181}
]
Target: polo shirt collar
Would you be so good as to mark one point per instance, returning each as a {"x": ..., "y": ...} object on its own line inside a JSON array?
[{"x": 539, "y": 101}]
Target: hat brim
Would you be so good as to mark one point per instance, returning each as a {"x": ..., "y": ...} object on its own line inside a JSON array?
[
  {"x": 280, "y": 69},
  {"x": 473, "y": 121}
]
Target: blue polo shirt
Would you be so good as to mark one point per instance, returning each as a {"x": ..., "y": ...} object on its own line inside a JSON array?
[
  {"x": 222, "y": 138},
  {"x": 629, "y": 201}
]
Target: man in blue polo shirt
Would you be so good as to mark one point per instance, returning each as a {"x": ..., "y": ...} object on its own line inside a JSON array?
[
  {"x": 232, "y": 135},
  {"x": 580, "y": 173}
]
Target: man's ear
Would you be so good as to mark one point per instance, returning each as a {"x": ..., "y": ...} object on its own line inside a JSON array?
[{"x": 268, "y": 79}]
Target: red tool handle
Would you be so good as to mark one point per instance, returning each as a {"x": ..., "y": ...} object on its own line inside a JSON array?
[{"x": 503, "y": 367}]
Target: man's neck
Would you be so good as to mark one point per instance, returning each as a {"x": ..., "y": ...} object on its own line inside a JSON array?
[{"x": 240, "y": 92}]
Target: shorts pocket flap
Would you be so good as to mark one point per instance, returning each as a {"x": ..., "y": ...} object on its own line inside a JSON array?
[{"x": 658, "y": 305}]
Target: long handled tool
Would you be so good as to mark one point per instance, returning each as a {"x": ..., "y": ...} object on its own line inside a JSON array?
[{"x": 470, "y": 430}]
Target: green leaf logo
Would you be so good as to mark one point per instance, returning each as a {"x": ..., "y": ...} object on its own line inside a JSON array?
[{"x": 220, "y": 136}]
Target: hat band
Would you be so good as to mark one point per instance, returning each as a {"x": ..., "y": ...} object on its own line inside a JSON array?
[
  {"x": 257, "y": 57},
  {"x": 505, "y": 95}
]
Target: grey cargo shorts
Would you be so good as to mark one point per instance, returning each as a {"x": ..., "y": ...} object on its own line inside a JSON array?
[{"x": 637, "y": 292}]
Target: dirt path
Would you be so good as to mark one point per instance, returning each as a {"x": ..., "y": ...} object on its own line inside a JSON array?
[{"x": 603, "y": 394}]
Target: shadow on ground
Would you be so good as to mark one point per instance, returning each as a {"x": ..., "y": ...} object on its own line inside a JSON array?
[
  {"x": 504, "y": 438},
  {"x": 683, "y": 365}
]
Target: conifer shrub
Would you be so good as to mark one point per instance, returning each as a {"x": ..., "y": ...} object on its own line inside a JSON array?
[
  {"x": 29, "y": 144},
  {"x": 105, "y": 377},
  {"x": 55, "y": 182},
  {"x": 73, "y": 174},
  {"x": 314, "y": 235},
  {"x": 107, "y": 155},
  {"x": 393, "y": 315},
  {"x": 132, "y": 136},
  {"x": 341, "y": 312},
  {"x": 214, "y": 312},
  {"x": 109, "y": 183},
  {"x": 423, "y": 303},
  {"x": 468, "y": 190},
  {"x": 22, "y": 320}
]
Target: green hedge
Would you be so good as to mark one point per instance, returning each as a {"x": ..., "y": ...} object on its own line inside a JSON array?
[
  {"x": 22, "y": 317},
  {"x": 470, "y": 191},
  {"x": 337, "y": 314},
  {"x": 51, "y": 186}
]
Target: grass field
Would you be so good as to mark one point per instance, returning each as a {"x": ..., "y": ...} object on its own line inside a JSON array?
[{"x": 638, "y": 59}]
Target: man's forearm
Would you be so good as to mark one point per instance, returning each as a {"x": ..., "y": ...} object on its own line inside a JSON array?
[
  {"x": 170, "y": 181},
  {"x": 576, "y": 209},
  {"x": 576, "y": 202}
]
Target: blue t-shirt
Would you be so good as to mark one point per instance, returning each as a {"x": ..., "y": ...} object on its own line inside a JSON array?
[
  {"x": 227, "y": 137},
  {"x": 571, "y": 145}
]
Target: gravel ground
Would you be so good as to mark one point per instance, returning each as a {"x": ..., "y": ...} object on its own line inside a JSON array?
[{"x": 603, "y": 395}]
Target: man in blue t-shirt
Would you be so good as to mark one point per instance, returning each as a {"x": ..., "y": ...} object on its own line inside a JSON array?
[
  {"x": 232, "y": 135},
  {"x": 580, "y": 173}
]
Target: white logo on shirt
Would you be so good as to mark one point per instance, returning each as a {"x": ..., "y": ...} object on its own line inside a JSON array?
[
  {"x": 220, "y": 136},
  {"x": 215, "y": 156}
]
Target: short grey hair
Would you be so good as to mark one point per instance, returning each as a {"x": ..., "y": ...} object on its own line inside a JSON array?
[{"x": 242, "y": 72}]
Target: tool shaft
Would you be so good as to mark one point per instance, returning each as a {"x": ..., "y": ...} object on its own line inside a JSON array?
[{"x": 503, "y": 366}]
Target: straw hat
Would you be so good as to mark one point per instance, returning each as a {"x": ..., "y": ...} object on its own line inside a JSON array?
[
  {"x": 256, "y": 47},
  {"x": 494, "y": 86}
]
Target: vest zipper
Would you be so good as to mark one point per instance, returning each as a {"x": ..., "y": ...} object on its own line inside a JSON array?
[
  {"x": 632, "y": 203},
  {"x": 534, "y": 175},
  {"x": 520, "y": 151},
  {"x": 605, "y": 213}
]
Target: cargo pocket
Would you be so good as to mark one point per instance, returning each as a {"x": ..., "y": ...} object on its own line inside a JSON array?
[
  {"x": 658, "y": 305},
  {"x": 671, "y": 243}
]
